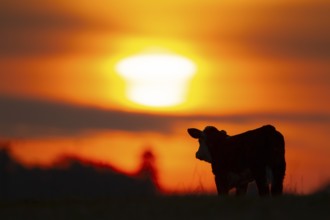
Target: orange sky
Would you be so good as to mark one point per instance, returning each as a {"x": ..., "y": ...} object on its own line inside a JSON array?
[{"x": 257, "y": 63}]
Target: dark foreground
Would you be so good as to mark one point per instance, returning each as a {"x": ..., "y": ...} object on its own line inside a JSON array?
[{"x": 171, "y": 207}]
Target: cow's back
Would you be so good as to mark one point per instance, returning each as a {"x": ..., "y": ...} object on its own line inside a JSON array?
[{"x": 254, "y": 146}]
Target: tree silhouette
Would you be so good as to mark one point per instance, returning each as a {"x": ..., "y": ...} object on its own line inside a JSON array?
[{"x": 148, "y": 171}]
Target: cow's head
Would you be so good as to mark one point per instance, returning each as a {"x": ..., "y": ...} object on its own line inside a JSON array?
[{"x": 207, "y": 139}]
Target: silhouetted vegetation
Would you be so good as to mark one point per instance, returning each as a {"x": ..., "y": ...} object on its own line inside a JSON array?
[
  {"x": 72, "y": 178},
  {"x": 172, "y": 207}
]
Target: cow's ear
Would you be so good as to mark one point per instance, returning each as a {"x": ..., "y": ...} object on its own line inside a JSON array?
[{"x": 194, "y": 132}]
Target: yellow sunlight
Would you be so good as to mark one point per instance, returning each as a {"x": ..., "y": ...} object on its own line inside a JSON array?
[{"x": 156, "y": 79}]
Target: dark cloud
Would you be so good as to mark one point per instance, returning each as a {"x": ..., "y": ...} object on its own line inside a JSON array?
[
  {"x": 11, "y": 19},
  {"x": 291, "y": 29},
  {"x": 33, "y": 30},
  {"x": 42, "y": 16},
  {"x": 23, "y": 118}
]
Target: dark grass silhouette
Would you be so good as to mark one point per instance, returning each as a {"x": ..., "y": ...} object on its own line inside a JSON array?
[
  {"x": 172, "y": 207},
  {"x": 239, "y": 159}
]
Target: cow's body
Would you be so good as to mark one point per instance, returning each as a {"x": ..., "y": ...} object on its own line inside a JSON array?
[{"x": 239, "y": 159}]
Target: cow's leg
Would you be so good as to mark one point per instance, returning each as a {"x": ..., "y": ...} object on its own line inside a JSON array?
[
  {"x": 261, "y": 181},
  {"x": 222, "y": 185},
  {"x": 241, "y": 189},
  {"x": 278, "y": 178},
  {"x": 278, "y": 164}
]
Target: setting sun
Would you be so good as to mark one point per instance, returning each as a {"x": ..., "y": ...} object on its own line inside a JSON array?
[{"x": 156, "y": 79}]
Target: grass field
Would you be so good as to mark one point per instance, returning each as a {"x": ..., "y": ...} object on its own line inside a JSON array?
[{"x": 171, "y": 207}]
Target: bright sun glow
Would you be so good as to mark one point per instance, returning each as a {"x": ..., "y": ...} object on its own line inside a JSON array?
[{"x": 156, "y": 79}]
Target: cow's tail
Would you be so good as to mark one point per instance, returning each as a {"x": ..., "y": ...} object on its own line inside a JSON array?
[{"x": 278, "y": 164}]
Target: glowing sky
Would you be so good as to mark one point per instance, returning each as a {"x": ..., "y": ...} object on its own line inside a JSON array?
[{"x": 257, "y": 63}]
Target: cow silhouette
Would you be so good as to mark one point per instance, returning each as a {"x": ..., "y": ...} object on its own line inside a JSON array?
[{"x": 256, "y": 155}]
